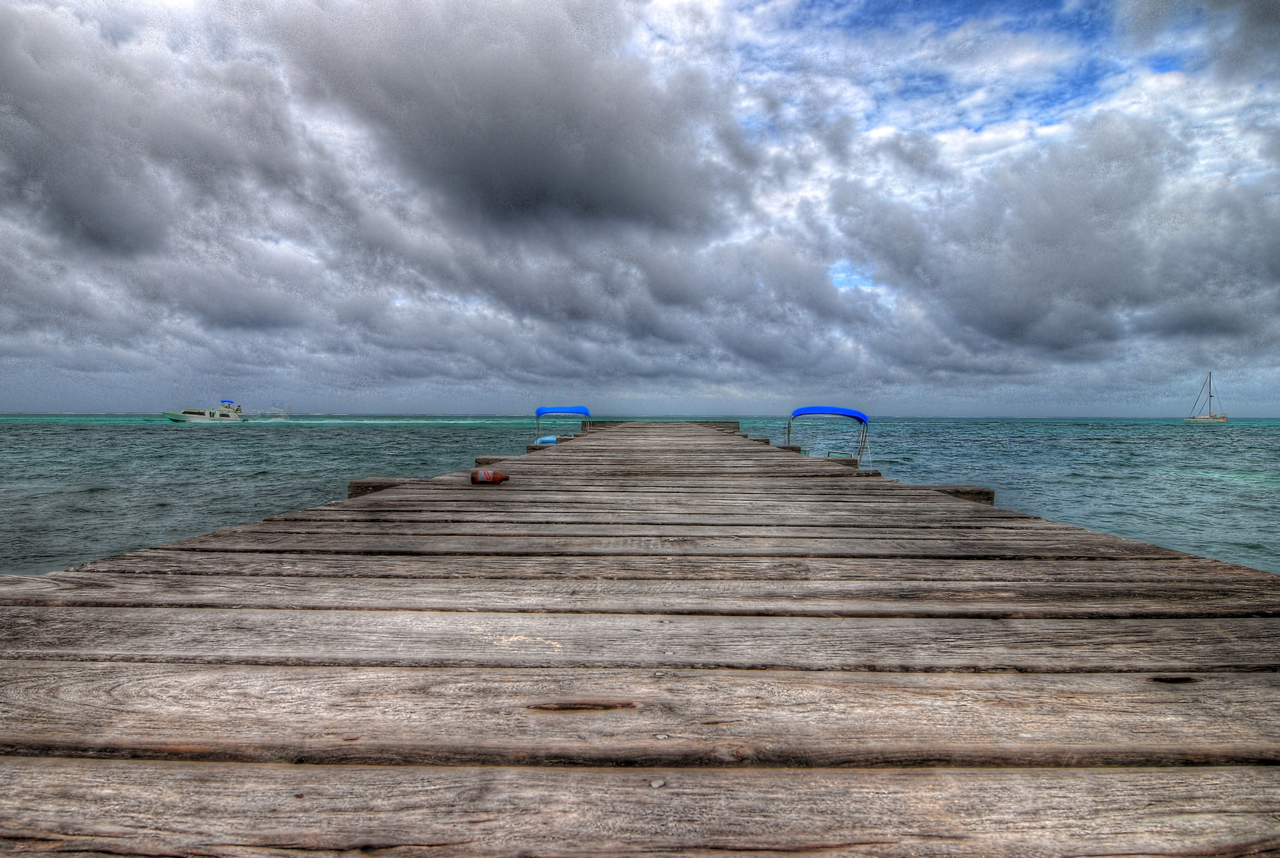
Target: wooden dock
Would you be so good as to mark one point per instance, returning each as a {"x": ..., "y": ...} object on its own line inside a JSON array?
[{"x": 659, "y": 639}]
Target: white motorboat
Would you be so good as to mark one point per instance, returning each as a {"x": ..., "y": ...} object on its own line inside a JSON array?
[
  {"x": 1207, "y": 414},
  {"x": 226, "y": 412},
  {"x": 279, "y": 410}
]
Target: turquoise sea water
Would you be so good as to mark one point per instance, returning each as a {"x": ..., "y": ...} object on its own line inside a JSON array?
[{"x": 79, "y": 487}]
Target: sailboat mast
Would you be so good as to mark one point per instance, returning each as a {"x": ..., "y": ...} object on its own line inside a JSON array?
[{"x": 1208, "y": 414}]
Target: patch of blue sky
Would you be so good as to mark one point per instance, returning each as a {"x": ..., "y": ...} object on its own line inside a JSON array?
[
  {"x": 917, "y": 85},
  {"x": 768, "y": 55},
  {"x": 779, "y": 122},
  {"x": 1184, "y": 61},
  {"x": 1161, "y": 63},
  {"x": 846, "y": 276},
  {"x": 925, "y": 115},
  {"x": 1048, "y": 104},
  {"x": 1087, "y": 20},
  {"x": 939, "y": 100},
  {"x": 759, "y": 127}
]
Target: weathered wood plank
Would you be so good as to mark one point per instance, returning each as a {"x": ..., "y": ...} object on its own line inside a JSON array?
[
  {"x": 460, "y": 639},
  {"x": 839, "y": 480},
  {"x": 676, "y": 470},
  {"x": 849, "y": 485},
  {"x": 924, "y": 543},
  {"x": 217, "y": 809},
  {"x": 1191, "y": 570},
  {"x": 981, "y": 599},
  {"x": 902, "y": 526},
  {"x": 484, "y": 497},
  {"x": 863, "y": 515},
  {"x": 399, "y": 716}
]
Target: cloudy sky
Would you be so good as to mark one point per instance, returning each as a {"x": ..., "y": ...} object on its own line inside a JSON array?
[{"x": 908, "y": 206}]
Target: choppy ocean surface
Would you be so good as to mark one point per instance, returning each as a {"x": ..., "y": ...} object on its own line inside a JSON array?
[{"x": 75, "y": 488}]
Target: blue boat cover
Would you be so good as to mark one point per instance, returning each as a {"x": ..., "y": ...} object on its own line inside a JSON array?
[
  {"x": 562, "y": 409},
  {"x": 833, "y": 410},
  {"x": 546, "y": 439}
]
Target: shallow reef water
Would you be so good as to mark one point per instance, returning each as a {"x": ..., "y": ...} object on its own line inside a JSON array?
[{"x": 75, "y": 488}]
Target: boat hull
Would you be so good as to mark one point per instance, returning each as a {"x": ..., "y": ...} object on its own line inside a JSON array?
[{"x": 183, "y": 417}]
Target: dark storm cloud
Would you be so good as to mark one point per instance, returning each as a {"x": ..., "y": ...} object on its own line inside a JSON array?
[
  {"x": 108, "y": 147},
  {"x": 1240, "y": 36},
  {"x": 916, "y": 152},
  {"x": 1048, "y": 252},
  {"x": 521, "y": 110},
  {"x": 1075, "y": 250},
  {"x": 396, "y": 202},
  {"x": 62, "y": 141}
]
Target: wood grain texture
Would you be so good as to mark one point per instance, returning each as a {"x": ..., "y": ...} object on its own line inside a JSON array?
[
  {"x": 951, "y": 544},
  {"x": 399, "y": 716},
  {"x": 819, "y": 517},
  {"x": 853, "y": 529},
  {"x": 587, "y": 505},
  {"x": 461, "y": 639},
  {"x": 640, "y": 497},
  {"x": 976, "y": 599},
  {"x": 1190, "y": 570},
  {"x": 234, "y": 810}
]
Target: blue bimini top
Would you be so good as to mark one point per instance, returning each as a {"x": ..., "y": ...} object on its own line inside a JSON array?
[
  {"x": 832, "y": 410},
  {"x": 562, "y": 409},
  {"x": 557, "y": 409}
]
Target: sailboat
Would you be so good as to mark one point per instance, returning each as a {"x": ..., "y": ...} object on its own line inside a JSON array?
[{"x": 1207, "y": 414}]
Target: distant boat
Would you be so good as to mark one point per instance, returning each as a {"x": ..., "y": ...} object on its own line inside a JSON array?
[
  {"x": 279, "y": 410},
  {"x": 1205, "y": 413},
  {"x": 226, "y": 412}
]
